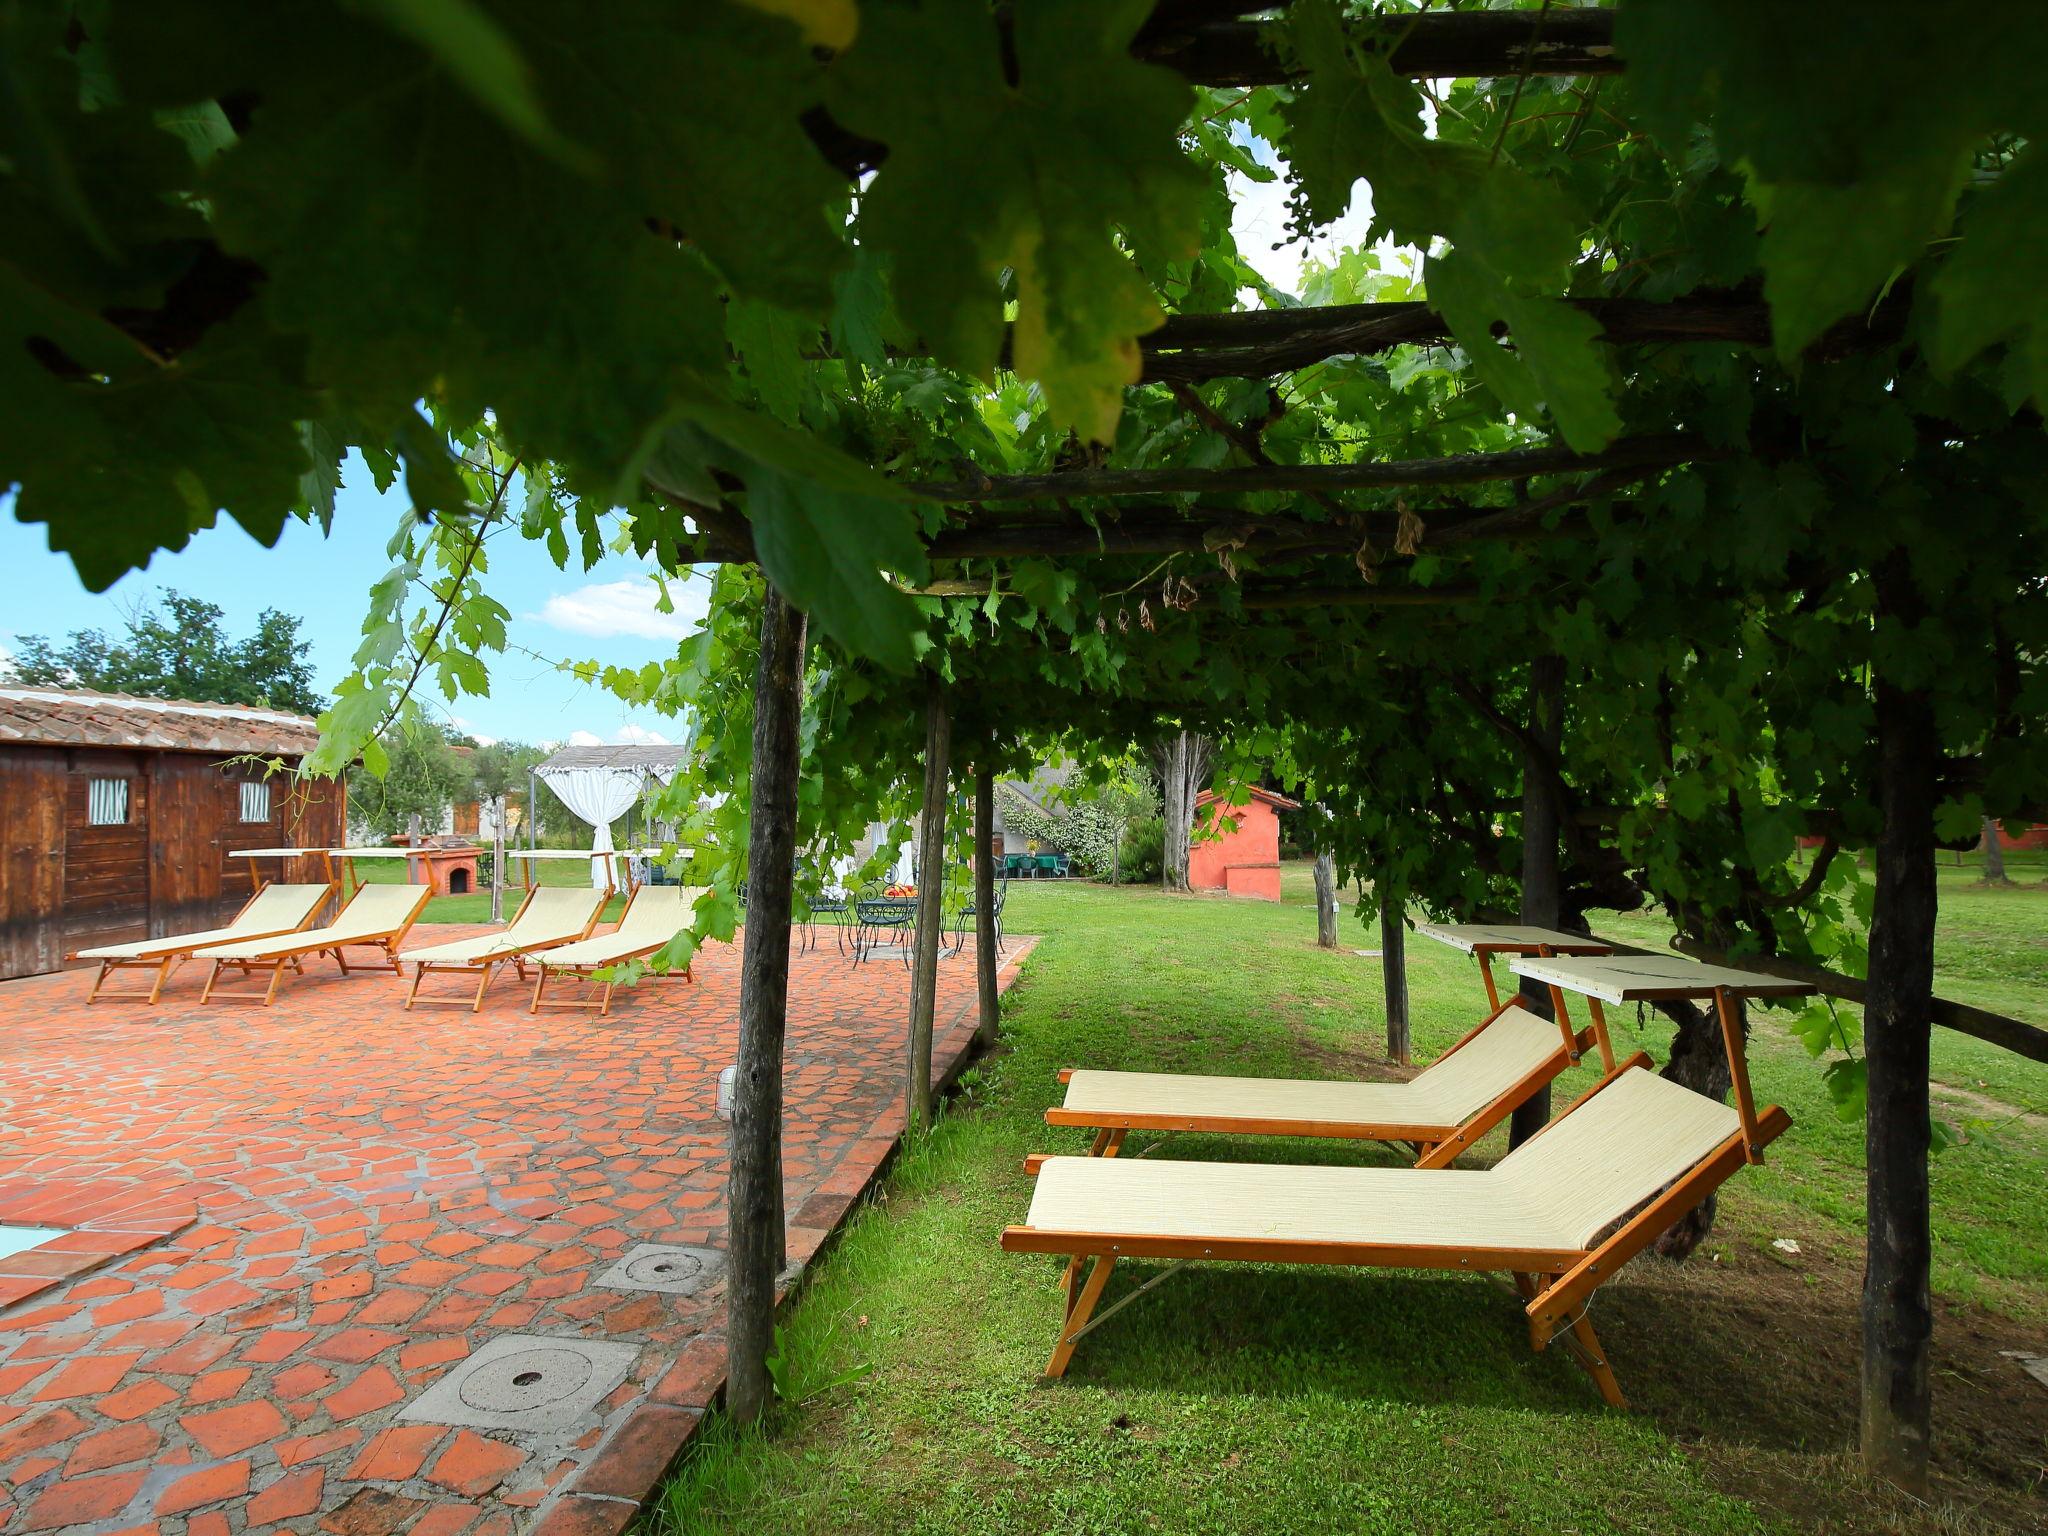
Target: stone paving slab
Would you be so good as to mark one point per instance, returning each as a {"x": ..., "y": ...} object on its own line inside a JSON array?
[{"x": 286, "y": 1224}]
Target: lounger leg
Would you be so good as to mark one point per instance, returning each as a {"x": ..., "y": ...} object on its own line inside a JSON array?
[
  {"x": 1079, "y": 1309},
  {"x": 1107, "y": 1140},
  {"x": 276, "y": 976},
  {"x": 1594, "y": 1359},
  {"x": 206, "y": 992},
  {"x": 604, "y": 1008},
  {"x": 540, "y": 985},
  {"x": 163, "y": 974},
  {"x": 106, "y": 969},
  {"x": 419, "y": 973},
  {"x": 481, "y": 986}
]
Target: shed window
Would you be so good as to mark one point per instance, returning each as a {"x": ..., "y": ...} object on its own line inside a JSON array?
[
  {"x": 106, "y": 802},
  {"x": 255, "y": 802}
]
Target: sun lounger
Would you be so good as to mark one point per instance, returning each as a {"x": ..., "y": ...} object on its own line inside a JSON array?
[
  {"x": 275, "y": 909},
  {"x": 1464, "y": 1094},
  {"x": 550, "y": 915},
  {"x": 377, "y": 916},
  {"x": 1560, "y": 1214},
  {"x": 1510, "y": 1056},
  {"x": 653, "y": 917}
]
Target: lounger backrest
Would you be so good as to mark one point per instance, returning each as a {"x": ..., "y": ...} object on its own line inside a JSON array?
[
  {"x": 557, "y": 909},
  {"x": 658, "y": 912},
  {"x": 279, "y": 908},
  {"x": 378, "y": 909},
  {"x": 1502, "y": 1054},
  {"x": 1614, "y": 1152}
]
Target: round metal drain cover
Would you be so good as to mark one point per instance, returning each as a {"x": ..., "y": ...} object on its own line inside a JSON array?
[
  {"x": 665, "y": 1268},
  {"x": 526, "y": 1380}
]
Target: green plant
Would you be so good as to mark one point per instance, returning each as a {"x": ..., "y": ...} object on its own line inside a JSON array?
[{"x": 1144, "y": 850}]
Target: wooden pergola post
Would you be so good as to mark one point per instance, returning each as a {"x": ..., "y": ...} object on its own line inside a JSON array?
[
  {"x": 931, "y": 887},
  {"x": 1394, "y": 968},
  {"x": 754, "y": 1237},
  {"x": 1326, "y": 900},
  {"x": 985, "y": 957},
  {"x": 1898, "y": 1318},
  {"x": 1541, "y": 881}
]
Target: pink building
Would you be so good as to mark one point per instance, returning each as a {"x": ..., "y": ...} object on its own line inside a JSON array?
[{"x": 1244, "y": 861}]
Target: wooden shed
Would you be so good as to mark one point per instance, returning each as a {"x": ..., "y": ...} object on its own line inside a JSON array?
[{"x": 117, "y": 815}]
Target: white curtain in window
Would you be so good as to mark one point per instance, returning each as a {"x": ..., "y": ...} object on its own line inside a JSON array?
[{"x": 600, "y": 796}]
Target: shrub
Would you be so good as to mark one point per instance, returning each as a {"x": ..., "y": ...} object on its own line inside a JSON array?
[{"x": 1144, "y": 852}]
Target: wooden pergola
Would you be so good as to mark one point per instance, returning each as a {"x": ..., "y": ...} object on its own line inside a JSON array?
[{"x": 1146, "y": 512}]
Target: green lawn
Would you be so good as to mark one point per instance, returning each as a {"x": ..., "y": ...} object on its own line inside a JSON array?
[
  {"x": 1239, "y": 1398},
  {"x": 476, "y": 907}
]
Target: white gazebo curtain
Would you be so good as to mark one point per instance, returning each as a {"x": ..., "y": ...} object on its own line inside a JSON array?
[{"x": 600, "y": 796}]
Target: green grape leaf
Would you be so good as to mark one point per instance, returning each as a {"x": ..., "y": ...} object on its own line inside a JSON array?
[
  {"x": 1984, "y": 292},
  {"x": 1828, "y": 250},
  {"x": 1038, "y": 180}
]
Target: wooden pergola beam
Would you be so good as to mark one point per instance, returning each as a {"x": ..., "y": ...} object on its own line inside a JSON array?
[
  {"x": 1440, "y": 46},
  {"x": 1213, "y": 45},
  {"x": 1651, "y": 451},
  {"x": 1190, "y": 349}
]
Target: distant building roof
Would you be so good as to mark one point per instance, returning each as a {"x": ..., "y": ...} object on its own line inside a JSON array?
[
  {"x": 79, "y": 717},
  {"x": 642, "y": 758},
  {"x": 1278, "y": 802}
]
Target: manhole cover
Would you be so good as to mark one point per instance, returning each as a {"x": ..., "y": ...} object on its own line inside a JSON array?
[
  {"x": 525, "y": 1381},
  {"x": 660, "y": 1267}
]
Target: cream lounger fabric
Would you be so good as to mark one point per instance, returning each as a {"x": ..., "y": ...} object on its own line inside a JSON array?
[
  {"x": 555, "y": 915},
  {"x": 276, "y": 909},
  {"x": 1450, "y": 1092},
  {"x": 1558, "y": 1191},
  {"x": 371, "y": 913},
  {"x": 657, "y": 913}
]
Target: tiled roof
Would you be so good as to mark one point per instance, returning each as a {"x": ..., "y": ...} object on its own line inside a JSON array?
[{"x": 79, "y": 717}]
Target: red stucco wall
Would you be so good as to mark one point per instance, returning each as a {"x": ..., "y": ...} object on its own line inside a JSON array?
[{"x": 1242, "y": 863}]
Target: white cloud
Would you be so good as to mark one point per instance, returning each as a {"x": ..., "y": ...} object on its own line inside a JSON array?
[
  {"x": 611, "y": 608},
  {"x": 585, "y": 739},
  {"x": 638, "y": 736}
]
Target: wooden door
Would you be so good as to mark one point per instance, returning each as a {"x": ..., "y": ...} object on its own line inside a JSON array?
[
  {"x": 188, "y": 810},
  {"x": 106, "y": 849},
  {"x": 31, "y": 861}
]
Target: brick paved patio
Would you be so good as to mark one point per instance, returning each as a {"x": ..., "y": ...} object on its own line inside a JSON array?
[{"x": 288, "y": 1222}]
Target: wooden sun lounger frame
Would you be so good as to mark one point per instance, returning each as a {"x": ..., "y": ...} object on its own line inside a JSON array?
[
  {"x": 1433, "y": 1148},
  {"x": 487, "y": 967},
  {"x": 1556, "y": 1284},
  {"x": 387, "y": 942},
  {"x": 602, "y": 1003},
  {"x": 171, "y": 959}
]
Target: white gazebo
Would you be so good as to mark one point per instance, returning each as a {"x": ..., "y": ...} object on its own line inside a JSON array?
[{"x": 601, "y": 784}]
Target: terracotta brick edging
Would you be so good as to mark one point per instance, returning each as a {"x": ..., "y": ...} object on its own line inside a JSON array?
[{"x": 630, "y": 1465}]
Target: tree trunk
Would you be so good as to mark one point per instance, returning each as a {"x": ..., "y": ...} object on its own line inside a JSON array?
[
  {"x": 1897, "y": 1314},
  {"x": 1541, "y": 894},
  {"x": 1394, "y": 969},
  {"x": 498, "y": 860},
  {"x": 985, "y": 957},
  {"x": 1326, "y": 901},
  {"x": 1699, "y": 1061},
  {"x": 931, "y": 890},
  {"x": 1183, "y": 774},
  {"x": 1994, "y": 857},
  {"x": 754, "y": 1222}
]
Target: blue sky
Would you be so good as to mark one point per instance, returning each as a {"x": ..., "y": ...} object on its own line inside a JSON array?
[{"x": 606, "y": 613}]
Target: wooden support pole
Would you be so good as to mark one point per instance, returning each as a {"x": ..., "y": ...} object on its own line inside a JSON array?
[
  {"x": 754, "y": 1239},
  {"x": 985, "y": 957},
  {"x": 931, "y": 889},
  {"x": 1541, "y": 879},
  {"x": 1394, "y": 968},
  {"x": 1326, "y": 900},
  {"x": 1898, "y": 1321}
]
